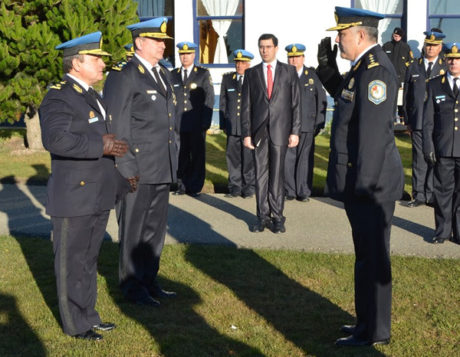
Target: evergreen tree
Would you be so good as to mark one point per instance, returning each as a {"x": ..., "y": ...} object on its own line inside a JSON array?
[{"x": 29, "y": 31}]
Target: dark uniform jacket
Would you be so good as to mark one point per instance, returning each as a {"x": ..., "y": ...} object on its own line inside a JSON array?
[
  {"x": 400, "y": 55},
  {"x": 313, "y": 101},
  {"x": 83, "y": 181},
  {"x": 144, "y": 118},
  {"x": 258, "y": 111},
  {"x": 441, "y": 125},
  {"x": 230, "y": 104},
  {"x": 195, "y": 99},
  {"x": 414, "y": 89},
  {"x": 364, "y": 161}
]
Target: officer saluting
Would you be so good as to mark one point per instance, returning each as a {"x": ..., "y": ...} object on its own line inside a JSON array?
[
  {"x": 83, "y": 184},
  {"x": 441, "y": 145},
  {"x": 365, "y": 169},
  {"x": 240, "y": 164},
  {"x": 195, "y": 100},
  {"x": 298, "y": 166}
]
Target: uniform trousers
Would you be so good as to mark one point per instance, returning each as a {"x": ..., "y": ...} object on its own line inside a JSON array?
[
  {"x": 76, "y": 244},
  {"x": 269, "y": 169},
  {"x": 192, "y": 161},
  {"x": 298, "y": 167},
  {"x": 143, "y": 220},
  {"x": 371, "y": 226},
  {"x": 422, "y": 173},
  {"x": 447, "y": 197},
  {"x": 240, "y": 165}
]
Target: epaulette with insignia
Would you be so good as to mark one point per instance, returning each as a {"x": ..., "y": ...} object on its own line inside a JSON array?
[
  {"x": 57, "y": 86},
  {"x": 119, "y": 66},
  {"x": 372, "y": 62},
  {"x": 77, "y": 88}
]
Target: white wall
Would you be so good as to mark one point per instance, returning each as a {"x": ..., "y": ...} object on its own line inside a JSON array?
[{"x": 416, "y": 24}]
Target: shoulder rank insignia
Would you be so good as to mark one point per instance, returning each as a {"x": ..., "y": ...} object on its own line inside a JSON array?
[
  {"x": 56, "y": 86},
  {"x": 77, "y": 88},
  {"x": 141, "y": 69},
  {"x": 372, "y": 62},
  {"x": 377, "y": 92}
]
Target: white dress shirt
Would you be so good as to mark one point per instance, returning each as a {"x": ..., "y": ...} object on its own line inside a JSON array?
[{"x": 86, "y": 87}]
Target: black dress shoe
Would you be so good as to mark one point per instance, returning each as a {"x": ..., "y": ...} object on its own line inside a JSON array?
[
  {"x": 248, "y": 195},
  {"x": 179, "y": 193},
  {"x": 350, "y": 329},
  {"x": 438, "y": 240},
  {"x": 193, "y": 194},
  {"x": 260, "y": 226},
  {"x": 104, "y": 326},
  {"x": 352, "y": 341},
  {"x": 160, "y": 293},
  {"x": 303, "y": 199},
  {"x": 415, "y": 203},
  {"x": 289, "y": 198},
  {"x": 232, "y": 194},
  {"x": 148, "y": 301},
  {"x": 455, "y": 240},
  {"x": 278, "y": 227},
  {"x": 89, "y": 335}
]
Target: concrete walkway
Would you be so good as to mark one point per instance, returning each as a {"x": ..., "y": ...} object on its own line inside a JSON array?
[{"x": 317, "y": 226}]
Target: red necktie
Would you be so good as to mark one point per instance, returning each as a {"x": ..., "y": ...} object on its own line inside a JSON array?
[{"x": 269, "y": 81}]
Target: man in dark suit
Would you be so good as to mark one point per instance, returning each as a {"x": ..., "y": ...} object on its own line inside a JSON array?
[
  {"x": 441, "y": 146},
  {"x": 141, "y": 102},
  {"x": 83, "y": 184},
  {"x": 240, "y": 165},
  {"x": 426, "y": 67},
  {"x": 271, "y": 122},
  {"x": 365, "y": 169},
  {"x": 195, "y": 100},
  {"x": 298, "y": 167}
]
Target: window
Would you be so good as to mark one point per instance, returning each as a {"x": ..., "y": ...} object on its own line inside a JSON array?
[
  {"x": 146, "y": 9},
  {"x": 394, "y": 11},
  {"x": 445, "y": 15},
  {"x": 218, "y": 30}
]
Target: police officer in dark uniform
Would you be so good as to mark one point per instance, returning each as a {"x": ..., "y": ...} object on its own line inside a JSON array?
[
  {"x": 195, "y": 100},
  {"x": 83, "y": 184},
  {"x": 430, "y": 65},
  {"x": 141, "y": 102},
  {"x": 441, "y": 145},
  {"x": 365, "y": 169},
  {"x": 298, "y": 165},
  {"x": 240, "y": 164}
]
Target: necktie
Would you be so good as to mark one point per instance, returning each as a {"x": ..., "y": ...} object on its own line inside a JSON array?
[
  {"x": 455, "y": 89},
  {"x": 96, "y": 97},
  {"x": 158, "y": 79},
  {"x": 185, "y": 75},
  {"x": 269, "y": 81},
  {"x": 240, "y": 83},
  {"x": 428, "y": 71}
]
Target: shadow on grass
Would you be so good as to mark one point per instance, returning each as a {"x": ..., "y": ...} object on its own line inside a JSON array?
[
  {"x": 175, "y": 325},
  {"x": 21, "y": 340},
  {"x": 304, "y": 317}
]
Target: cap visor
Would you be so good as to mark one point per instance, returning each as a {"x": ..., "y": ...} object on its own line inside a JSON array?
[
  {"x": 96, "y": 52},
  {"x": 158, "y": 35}
]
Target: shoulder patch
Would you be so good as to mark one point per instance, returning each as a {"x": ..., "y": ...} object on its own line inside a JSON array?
[
  {"x": 77, "y": 88},
  {"x": 377, "y": 92}
]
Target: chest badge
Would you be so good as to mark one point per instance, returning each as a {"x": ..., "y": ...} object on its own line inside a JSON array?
[
  {"x": 311, "y": 81},
  {"x": 91, "y": 114},
  {"x": 441, "y": 72},
  {"x": 193, "y": 86},
  {"x": 377, "y": 92}
]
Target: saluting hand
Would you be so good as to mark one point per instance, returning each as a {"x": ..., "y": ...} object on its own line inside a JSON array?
[
  {"x": 327, "y": 55},
  {"x": 114, "y": 147}
]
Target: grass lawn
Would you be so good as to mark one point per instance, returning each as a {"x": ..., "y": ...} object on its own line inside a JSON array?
[
  {"x": 19, "y": 165},
  {"x": 231, "y": 302}
]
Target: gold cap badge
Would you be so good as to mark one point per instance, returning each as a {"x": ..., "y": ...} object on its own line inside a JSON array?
[
  {"x": 239, "y": 54},
  {"x": 163, "y": 27},
  {"x": 185, "y": 47},
  {"x": 294, "y": 49},
  {"x": 454, "y": 49}
]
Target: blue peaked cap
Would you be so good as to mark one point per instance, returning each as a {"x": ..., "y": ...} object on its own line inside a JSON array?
[
  {"x": 186, "y": 47},
  {"x": 85, "y": 45},
  {"x": 242, "y": 55},
  {"x": 153, "y": 28},
  {"x": 295, "y": 49},
  {"x": 346, "y": 17}
]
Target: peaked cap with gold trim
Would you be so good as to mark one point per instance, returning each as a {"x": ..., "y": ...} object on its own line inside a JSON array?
[
  {"x": 433, "y": 37},
  {"x": 85, "y": 45},
  {"x": 348, "y": 17},
  {"x": 242, "y": 55},
  {"x": 452, "y": 50},
  {"x": 186, "y": 47},
  {"x": 153, "y": 28},
  {"x": 295, "y": 49}
]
